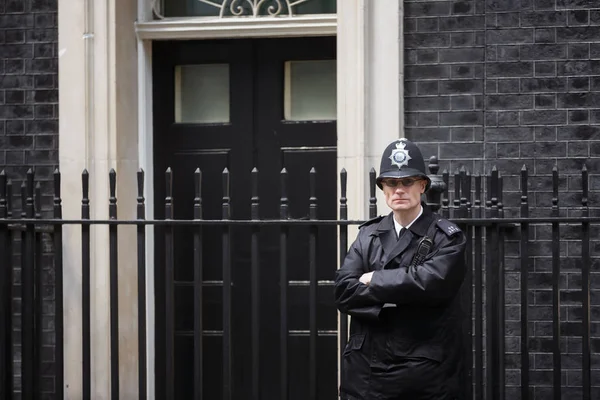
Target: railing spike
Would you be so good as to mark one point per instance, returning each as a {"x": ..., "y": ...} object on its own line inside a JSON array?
[
  {"x": 140, "y": 184},
  {"x": 226, "y": 207},
  {"x": 197, "y": 194},
  {"x": 9, "y": 197},
  {"x": 343, "y": 190},
  {"x": 584, "y": 186},
  {"x": 283, "y": 205},
  {"x": 313, "y": 193},
  {"x": 254, "y": 201},
  {"x": 434, "y": 165},
  {"x": 372, "y": 198},
  {"x": 169, "y": 193}
]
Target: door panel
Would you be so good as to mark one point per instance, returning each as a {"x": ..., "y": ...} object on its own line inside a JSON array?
[{"x": 255, "y": 136}]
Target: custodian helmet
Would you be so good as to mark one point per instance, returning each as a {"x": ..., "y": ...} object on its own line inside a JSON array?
[{"x": 401, "y": 159}]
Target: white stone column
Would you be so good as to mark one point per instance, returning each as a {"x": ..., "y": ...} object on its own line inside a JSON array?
[
  {"x": 98, "y": 131},
  {"x": 370, "y": 92}
]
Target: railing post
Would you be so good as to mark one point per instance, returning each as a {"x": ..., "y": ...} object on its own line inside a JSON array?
[
  {"x": 312, "y": 290},
  {"x": 438, "y": 186},
  {"x": 198, "y": 290},
  {"x": 585, "y": 290},
  {"x": 114, "y": 287},
  {"x": 524, "y": 286},
  {"x": 58, "y": 290},
  {"x": 283, "y": 290},
  {"x": 28, "y": 388},
  {"x": 556, "y": 353},
  {"x": 85, "y": 289},
  {"x": 169, "y": 289},
  {"x": 226, "y": 249},
  {"x": 343, "y": 339},
  {"x": 255, "y": 288},
  {"x": 39, "y": 294},
  {"x": 6, "y": 359},
  {"x": 141, "y": 287}
]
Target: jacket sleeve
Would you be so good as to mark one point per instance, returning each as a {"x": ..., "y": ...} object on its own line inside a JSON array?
[
  {"x": 351, "y": 296},
  {"x": 433, "y": 283}
]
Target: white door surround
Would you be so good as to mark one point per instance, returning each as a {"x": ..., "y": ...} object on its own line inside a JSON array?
[{"x": 105, "y": 89}]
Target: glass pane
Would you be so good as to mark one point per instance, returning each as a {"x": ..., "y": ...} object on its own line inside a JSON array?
[
  {"x": 202, "y": 93},
  {"x": 310, "y": 90},
  {"x": 200, "y": 8}
]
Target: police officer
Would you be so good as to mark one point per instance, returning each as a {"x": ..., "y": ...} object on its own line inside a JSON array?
[{"x": 399, "y": 283}]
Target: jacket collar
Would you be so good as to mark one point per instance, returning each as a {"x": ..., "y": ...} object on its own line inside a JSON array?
[{"x": 387, "y": 233}]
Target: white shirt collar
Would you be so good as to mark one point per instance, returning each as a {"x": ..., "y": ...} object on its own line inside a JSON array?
[{"x": 397, "y": 225}]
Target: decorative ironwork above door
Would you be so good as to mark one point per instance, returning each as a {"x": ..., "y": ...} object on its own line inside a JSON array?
[{"x": 241, "y": 8}]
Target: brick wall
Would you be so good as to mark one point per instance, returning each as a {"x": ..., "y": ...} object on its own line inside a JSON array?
[
  {"x": 512, "y": 83},
  {"x": 29, "y": 126}
]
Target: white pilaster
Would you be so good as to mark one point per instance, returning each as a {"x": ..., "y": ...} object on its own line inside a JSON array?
[
  {"x": 370, "y": 92},
  {"x": 98, "y": 131}
]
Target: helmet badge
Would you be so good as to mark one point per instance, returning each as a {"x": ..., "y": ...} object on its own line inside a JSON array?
[{"x": 400, "y": 155}]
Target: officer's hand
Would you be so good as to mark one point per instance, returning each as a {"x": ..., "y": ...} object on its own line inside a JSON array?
[{"x": 366, "y": 278}]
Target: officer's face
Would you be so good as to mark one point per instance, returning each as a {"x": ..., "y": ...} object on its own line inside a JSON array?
[{"x": 403, "y": 194}]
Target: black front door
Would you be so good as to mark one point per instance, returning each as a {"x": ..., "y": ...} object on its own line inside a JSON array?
[{"x": 241, "y": 104}]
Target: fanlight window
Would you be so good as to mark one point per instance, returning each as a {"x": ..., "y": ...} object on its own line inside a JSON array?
[{"x": 239, "y": 8}]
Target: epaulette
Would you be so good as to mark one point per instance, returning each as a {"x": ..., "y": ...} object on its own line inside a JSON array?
[
  {"x": 448, "y": 227},
  {"x": 371, "y": 221}
]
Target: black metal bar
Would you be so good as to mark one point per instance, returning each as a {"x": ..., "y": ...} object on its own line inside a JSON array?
[
  {"x": 5, "y": 300},
  {"x": 445, "y": 194},
  {"x": 39, "y": 297},
  {"x": 465, "y": 200},
  {"x": 283, "y": 287},
  {"x": 9, "y": 295},
  {"x": 59, "y": 358},
  {"x": 226, "y": 215},
  {"x": 524, "y": 286},
  {"x": 556, "y": 291},
  {"x": 372, "y": 198},
  {"x": 8, "y": 376},
  {"x": 85, "y": 290},
  {"x": 312, "y": 301},
  {"x": 456, "y": 210},
  {"x": 585, "y": 290},
  {"x": 255, "y": 288},
  {"x": 169, "y": 290},
  {"x": 9, "y": 198},
  {"x": 492, "y": 278},
  {"x": 45, "y": 225},
  {"x": 141, "y": 288},
  {"x": 27, "y": 289},
  {"x": 478, "y": 262},
  {"x": 343, "y": 252},
  {"x": 500, "y": 196},
  {"x": 198, "y": 292},
  {"x": 113, "y": 244},
  {"x": 499, "y": 239}
]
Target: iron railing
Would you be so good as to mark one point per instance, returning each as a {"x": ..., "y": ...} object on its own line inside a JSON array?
[{"x": 476, "y": 205}]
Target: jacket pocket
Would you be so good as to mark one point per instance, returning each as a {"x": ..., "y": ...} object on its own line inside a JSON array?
[
  {"x": 430, "y": 351},
  {"x": 354, "y": 343}
]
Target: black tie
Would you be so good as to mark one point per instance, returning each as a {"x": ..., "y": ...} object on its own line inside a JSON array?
[{"x": 401, "y": 233}]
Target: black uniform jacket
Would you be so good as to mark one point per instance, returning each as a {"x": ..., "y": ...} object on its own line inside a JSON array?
[{"x": 405, "y": 339}]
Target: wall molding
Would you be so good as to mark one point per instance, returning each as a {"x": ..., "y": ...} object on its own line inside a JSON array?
[{"x": 236, "y": 27}]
